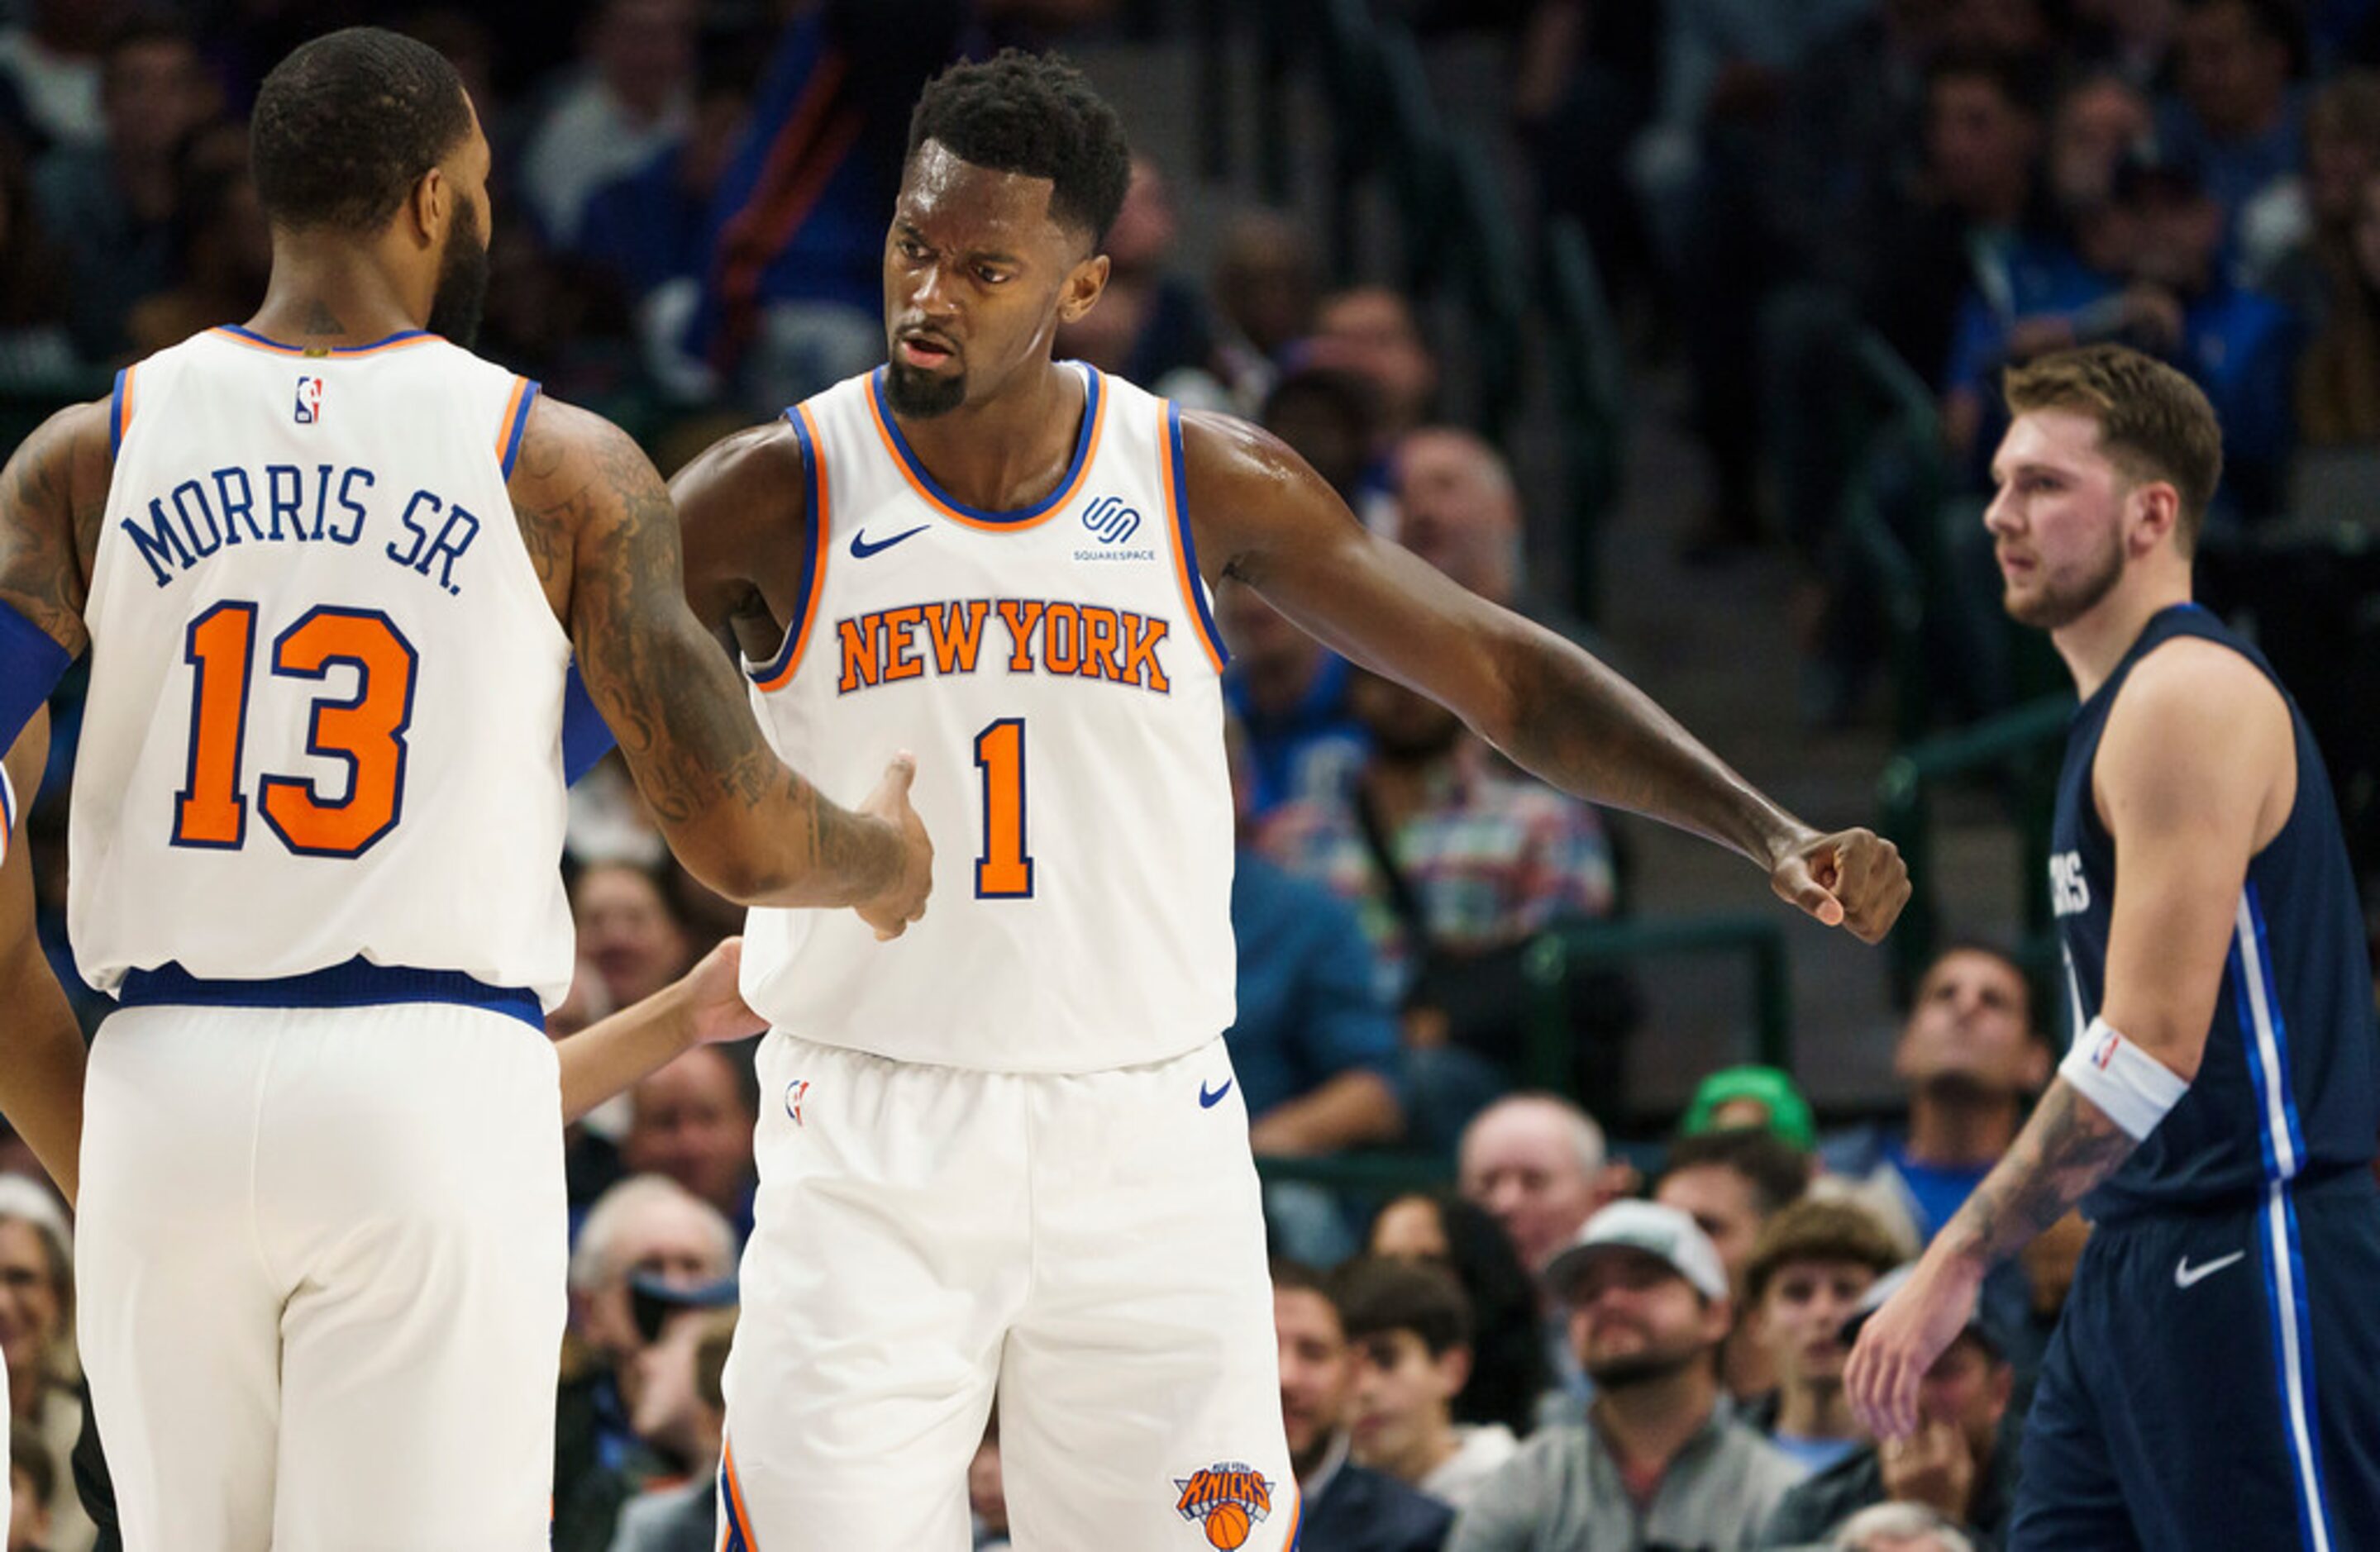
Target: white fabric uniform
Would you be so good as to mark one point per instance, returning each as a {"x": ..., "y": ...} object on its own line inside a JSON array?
[
  {"x": 318, "y": 813},
  {"x": 1006, "y": 1148}
]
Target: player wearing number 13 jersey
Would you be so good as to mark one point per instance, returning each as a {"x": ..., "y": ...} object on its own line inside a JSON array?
[
  {"x": 332, "y": 570},
  {"x": 1007, "y": 1154}
]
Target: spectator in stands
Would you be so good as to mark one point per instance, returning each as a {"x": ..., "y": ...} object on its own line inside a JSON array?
[
  {"x": 2298, "y": 234},
  {"x": 1152, "y": 325},
  {"x": 649, "y": 1226},
  {"x": 2236, "y": 113},
  {"x": 33, "y": 1481},
  {"x": 1898, "y": 1527},
  {"x": 681, "y": 1412},
  {"x": 647, "y": 226},
  {"x": 630, "y": 927},
  {"x": 692, "y": 1122},
  {"x": 223, "y": 249},
  {"x": 987, "y": 1494},
  {"x": 1750, "y": 1097},
  {"x": 1732, "y": 1183},
  {"x": 1537, "y": 1162},
  {"x": 37, "y": 353},
  {"x": 1812, "y": 1264},
  {"x": 1458, "y": 508},
  {"x": 2338, "y": 382},
  {"x": 1326, "y": 416},
  {"x": 1410, "y": 1327},
  {"x": 1290, "y": 695},
  {"x": 2132, "y": 39},
  {"x": 50, "y": 66},
  {"x": 111, "y": 205},
  {"x": 37, "y": 1338},
  {"x": 1372, "y": 332},
  {"x": 1345, "y": 1508},
  {"x": 630, "y": 99},
  {"x": 1455, "y": 864},
  {"x": 1960, "y": 1463},
  {"x": 2100, "y": 122},
  {"x": 1970, "y": 1056},
  {"x": 1265, "y": 282},
  {"x": 1657, "y": 1459},
  {"x": 1508, "y": 1363}
]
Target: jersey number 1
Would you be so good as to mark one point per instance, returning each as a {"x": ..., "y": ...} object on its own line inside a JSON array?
[
  {"x": 366, "y": 732},
  {"x": 1004, "y": 871}
]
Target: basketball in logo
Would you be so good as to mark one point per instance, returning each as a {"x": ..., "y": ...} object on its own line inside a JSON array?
[{"x": 1226, "y": 1526}]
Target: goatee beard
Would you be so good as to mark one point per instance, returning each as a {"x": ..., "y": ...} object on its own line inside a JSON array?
[
  {"x": 462, "y": 293},
  {"x": 921, "y": 396}
]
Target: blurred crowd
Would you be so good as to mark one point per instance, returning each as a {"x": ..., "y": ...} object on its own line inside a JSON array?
[{"x": 1578, "y": 1343}]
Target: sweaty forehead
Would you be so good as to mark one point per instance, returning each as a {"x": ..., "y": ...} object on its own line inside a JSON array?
[{"x": 959, "y": 204}]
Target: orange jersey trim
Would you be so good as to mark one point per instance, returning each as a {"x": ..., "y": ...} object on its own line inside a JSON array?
[
  {"x": 821, "y": 537},
  {"x": 1177, "y": 516}
]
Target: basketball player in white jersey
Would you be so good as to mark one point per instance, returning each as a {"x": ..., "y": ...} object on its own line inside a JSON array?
[
  {"x": 332, "y": 569},
  {"x": 1008, "y": 1152}
]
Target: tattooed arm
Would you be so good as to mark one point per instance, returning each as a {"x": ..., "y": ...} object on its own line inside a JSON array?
[
  {"x": 53, "y": 494},
  {"x": 600, "y": 528},
  {"x": 1264, "y": 518},
  {"x": 2195, "y": 775}
]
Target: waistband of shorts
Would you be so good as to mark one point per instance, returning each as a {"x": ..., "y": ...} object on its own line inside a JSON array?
[
  {"x": 2319, "y": 1183},
  {"x": 356, "y": 984}
]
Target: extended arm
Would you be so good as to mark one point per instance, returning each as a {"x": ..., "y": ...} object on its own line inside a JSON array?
[
  {"x": 1267, "y": 520},
  {"x": 2194, "y": 775},
  {"x": 741, "y": 821},
  {"x": 41, "y": 1047},
  {"x": 699, "y": 1008}
]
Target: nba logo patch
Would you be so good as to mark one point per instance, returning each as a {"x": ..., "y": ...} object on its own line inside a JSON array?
[
  {"x": 796, "y": 1092},
  {"x": 309, "y": 400},
  {"x": 1226, "y": 1500}
]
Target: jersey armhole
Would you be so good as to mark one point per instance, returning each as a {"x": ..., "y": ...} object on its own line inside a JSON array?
[
  {"x": 1186, "y": 546},
  {"x": 776, "y": 673},
  {"x": 119, "y": 412},
  {"x": 516, "y": 421}
]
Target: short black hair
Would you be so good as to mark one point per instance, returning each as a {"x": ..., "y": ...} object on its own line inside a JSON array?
[
  {"x": 1378, "y": 1294},
  {"x": 1033, "y": 115},
  {"x": 347, "y": 124},
  {"x": 1778, "y": 1172}
]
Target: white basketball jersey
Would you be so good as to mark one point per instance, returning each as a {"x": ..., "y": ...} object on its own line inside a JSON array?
[
  {"x": 1056, "y": 672},
  {"x": 325, "y": 707}
]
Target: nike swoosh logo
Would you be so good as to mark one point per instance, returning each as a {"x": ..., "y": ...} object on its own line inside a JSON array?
[
  {"x": 2184, "y": 1274},
  {"x": 1208, "y": 1101},
  {"x": 861, "y": 549}
]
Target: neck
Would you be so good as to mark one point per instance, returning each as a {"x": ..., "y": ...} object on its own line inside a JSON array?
[
  {"x": 2094, "y": 644},
  {"x": 1011, "y": 450},
  {"x": 1431, "y": 1447},
  {"x": 1815, "y": 1410},
  {"x": 1649, "y": 1422},
  {"x": 1957, "y": 1124},
  {"x": 328, "y": 294}
]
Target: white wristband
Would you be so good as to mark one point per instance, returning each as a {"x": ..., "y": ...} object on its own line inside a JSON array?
[{"x": 2132, "y": 1087}]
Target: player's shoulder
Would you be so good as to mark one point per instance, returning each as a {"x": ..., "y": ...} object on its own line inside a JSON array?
[
  {"x": 1224, "y": 447},
  {"x": 753, "y": 480},
  {"x": 2193, "y": 712}
]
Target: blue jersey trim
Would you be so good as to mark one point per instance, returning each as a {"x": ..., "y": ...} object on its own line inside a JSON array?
[
  {"x": 2290, "y": 1327},
  {"x": 396, "y": 338},
  {"x": 1195, "y": 579},
  {"x": 356, "y": 984},
  {"x": 521, "y": 423},
  {"x": 118, "y": 401},
  {"x": 2313, "y": 1400},
  {"x": 811, "y": 473},
  {"x": 1066, "y": 483}
]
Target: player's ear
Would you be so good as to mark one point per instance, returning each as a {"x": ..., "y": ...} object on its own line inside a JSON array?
[
  {"x": 1084, "y": 285},
  {"x": 429, "y": 207},
  {"x": 2156, "y": 512}
]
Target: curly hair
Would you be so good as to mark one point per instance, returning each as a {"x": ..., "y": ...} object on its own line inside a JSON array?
[
  {"x": 345, "y": 125},
  {"x": 1032, "y": 114}
]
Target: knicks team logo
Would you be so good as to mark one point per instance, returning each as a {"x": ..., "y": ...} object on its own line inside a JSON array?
[
  {"x": 1112, "y": 521},
  {"x": 309, "y": 400},
  {"x": 1229, "y": 1496}
]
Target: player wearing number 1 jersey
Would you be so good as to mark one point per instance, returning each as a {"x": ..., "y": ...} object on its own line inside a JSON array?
[
  {"x": 1008, "y": 1152},
  {"x": 332, "y": 569}
]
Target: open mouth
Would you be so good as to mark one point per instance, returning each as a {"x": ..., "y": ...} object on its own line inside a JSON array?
[{"x": 924, "y": 351}]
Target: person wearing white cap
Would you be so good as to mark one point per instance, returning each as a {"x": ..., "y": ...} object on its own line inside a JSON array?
[{"x": 1658, "y": 1460}]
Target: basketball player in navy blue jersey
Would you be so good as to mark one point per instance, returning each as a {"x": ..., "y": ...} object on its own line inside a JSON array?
[
  {"x": 2215, "y": 1382},
  {"x": 1008, "y": 1152}
]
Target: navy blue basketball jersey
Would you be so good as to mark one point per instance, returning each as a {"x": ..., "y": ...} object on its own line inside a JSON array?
[{"x": 2289, "y": 1086}]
